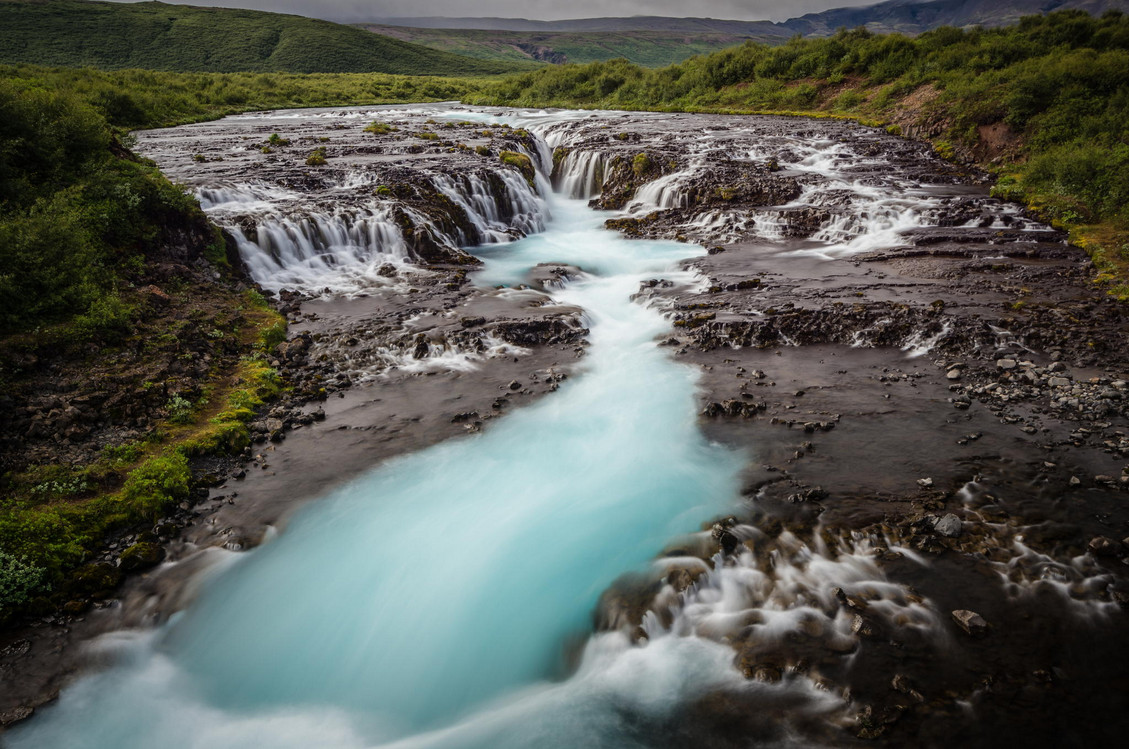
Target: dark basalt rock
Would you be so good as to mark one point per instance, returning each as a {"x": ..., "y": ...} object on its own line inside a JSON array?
[
  {"x": 726, "y": 184},
  {"x": 141, "y": 556}
]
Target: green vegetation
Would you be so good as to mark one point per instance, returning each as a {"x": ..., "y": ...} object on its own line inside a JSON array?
[
  {"x": 648, "y": 48},
  {"x": 132, "y": 99},
  {"x": 157, "y": 36},
  {"x": 521, "y": 161},
  {"x": 1045, "y": 103},
  {"x": 641, "y": 164},
  {"x": 75, "y": 219},
  {"x": 54, "y": 518},
  {"x": 380, "y": 128},
  {"x": 317, "y": 157}
]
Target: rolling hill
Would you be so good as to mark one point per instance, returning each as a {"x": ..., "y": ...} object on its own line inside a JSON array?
[
  {"x": 655, "y": 41},
  {"x": 650, "y": 48},
  {"x": 156, "y": 36}
]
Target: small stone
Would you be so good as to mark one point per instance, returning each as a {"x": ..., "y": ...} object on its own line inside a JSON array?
[
  {"x": 514, "y": 385},
  {"x": 766, "y": 674},
  {"x": 275, "y": 429},
  {"x": 1058, "y": 382},
  {"x": 954, "y": 374},
  {"x": 1103, "y": 546},
  {"x": 1074, "y": 481},
  {"x": 1006, "y": 363},
  {"x": 949, "y": 526},
  {"x": 925, "y": 483},
  {"x": 971, "y": 622},
  {"x": 864, "y": 628}
]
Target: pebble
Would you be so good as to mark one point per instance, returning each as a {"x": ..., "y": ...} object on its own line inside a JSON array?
[
  {"x": 971, "y": 622},
  {"x": 949, "y": 526},
  {"x": 1104, "y": 546}
]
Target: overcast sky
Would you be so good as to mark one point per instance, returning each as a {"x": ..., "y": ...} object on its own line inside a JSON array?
[{"x": 363, "y": 10}]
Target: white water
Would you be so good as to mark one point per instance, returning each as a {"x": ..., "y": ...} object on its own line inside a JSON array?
[{"x": 451, "y": 578}]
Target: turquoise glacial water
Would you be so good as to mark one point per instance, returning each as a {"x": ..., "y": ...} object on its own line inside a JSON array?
[{"x": 430, "y": 602}]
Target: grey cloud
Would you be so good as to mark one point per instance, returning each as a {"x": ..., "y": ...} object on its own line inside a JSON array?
[{"x": 363, "y": 10}]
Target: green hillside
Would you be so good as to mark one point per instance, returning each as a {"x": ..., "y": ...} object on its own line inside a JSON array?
[
  {"x": 649, "y": 48},
  {"x": 156, "y": 36}
]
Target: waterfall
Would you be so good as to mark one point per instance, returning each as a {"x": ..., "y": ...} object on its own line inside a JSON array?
[
  {"x": 580, "y": 174},
  {"x": 290, "y": 240}
]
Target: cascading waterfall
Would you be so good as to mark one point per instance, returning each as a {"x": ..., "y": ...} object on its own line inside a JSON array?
[
  {"x": 495, "y": 217},
  {"x": 427, "y": 591},
  {"x": 581, "y": 174},
  {"x": 341, "y": 252},
  {"x": 297, "y": 246}
]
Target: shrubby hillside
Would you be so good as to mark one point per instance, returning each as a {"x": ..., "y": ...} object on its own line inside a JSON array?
[{"x": 156, "y": 36}]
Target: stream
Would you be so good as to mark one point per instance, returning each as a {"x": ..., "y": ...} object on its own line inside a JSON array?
[{"x": 443, "y": 586}]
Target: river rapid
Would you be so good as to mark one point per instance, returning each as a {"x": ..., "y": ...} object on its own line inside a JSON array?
[
  {"x": 443, "y": 588},
  {"x": 783, "y": 460}
]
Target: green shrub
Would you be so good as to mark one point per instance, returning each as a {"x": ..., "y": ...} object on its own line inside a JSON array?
[
  {"x": 19, "y": 581},
  {"x": 641, "y": 164},
  {"x": 380, "y": 128},
  {"x": 316, "y": 157},
  {"x": 156, "y": 484},
  {"x": 180, "y": 410}
]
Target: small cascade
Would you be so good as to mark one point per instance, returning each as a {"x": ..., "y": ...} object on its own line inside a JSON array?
[
  {"x": 499, "y": 204},
  {"x": 314, "y": 252},
  {"x": 664, "y": 193},
  {"x": 580, "y": 174},
  {"x": 287, "y": 240},
  {"x": 770, "y": 592}
]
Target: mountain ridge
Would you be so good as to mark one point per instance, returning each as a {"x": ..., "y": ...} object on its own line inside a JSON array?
[{"x": 925, "y": 15}]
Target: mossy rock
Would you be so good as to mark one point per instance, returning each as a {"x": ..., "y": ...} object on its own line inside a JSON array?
[
  {"x": 95, "y": 581},
  {"x": 522, "y": 162},
  {"x": 141, "y": 556}
]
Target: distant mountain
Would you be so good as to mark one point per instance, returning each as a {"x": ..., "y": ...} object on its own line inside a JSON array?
[
  {"x": 907, "y": 16},
  {"x": 157, "y": 36},
  {"x": 633, "y": 23},
  {"x": 659, "y": 40}
]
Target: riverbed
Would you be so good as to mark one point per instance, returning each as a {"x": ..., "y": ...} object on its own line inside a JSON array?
[{"x": 720, "y": 446}]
